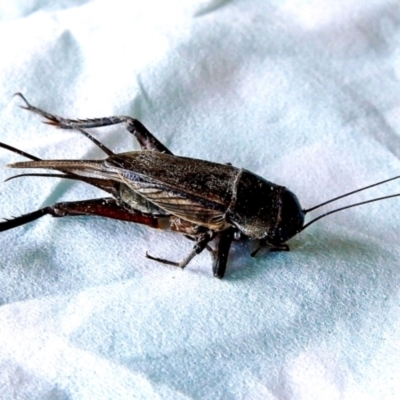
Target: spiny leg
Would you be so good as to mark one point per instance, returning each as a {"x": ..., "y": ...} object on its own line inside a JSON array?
[
  {"x": 48, "y": 116},
  {"x": 197, "y": 249},
  {"x": 106, "y": 207},
  {"x": 146, "y": 140}
]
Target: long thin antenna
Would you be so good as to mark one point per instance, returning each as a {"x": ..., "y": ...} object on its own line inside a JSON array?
[
  {"x": 350, "y": 206},
  {"x": 349, "y": 194}
]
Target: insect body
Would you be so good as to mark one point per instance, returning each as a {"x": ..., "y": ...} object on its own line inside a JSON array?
[{"x": 201, "y": 199}]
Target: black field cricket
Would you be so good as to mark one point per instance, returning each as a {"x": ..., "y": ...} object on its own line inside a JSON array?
[{"x": 204, "y": 201}]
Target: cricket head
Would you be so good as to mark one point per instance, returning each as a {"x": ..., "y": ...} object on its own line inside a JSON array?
[
  {"x": 289, "y": 221},
  {"x": 291, "y": 216}
]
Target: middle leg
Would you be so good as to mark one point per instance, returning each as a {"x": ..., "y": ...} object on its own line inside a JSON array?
[{"x": 201, "y": 244}]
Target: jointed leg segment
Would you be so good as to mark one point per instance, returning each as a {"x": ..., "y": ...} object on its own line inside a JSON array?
[
  {"x": 197, "y": 249},
  {"x": 146, "y": 140},
  {"x": 106, "y": 207}
]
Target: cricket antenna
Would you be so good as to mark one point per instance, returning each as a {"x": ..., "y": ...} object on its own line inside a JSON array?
[{"x": 351, "y": 205}]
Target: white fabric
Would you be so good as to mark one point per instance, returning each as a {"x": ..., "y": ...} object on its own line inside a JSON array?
[{"x": 303, "y": 93}]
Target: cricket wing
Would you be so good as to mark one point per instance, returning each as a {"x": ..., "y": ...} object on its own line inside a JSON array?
[
  {"x": 183, "y": 205},
  {"x": 194, "y": 190}
]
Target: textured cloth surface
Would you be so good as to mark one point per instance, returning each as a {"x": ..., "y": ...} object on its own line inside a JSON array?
[{"x": 305, "y": 94}]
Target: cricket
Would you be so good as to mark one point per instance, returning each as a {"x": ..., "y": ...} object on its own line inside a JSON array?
[{"x": 209, "y": 203}]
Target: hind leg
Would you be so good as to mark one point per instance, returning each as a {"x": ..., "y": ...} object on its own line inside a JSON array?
[
  {"x": 146, "y": 140},
  {"x": 106, "y": 207}
]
